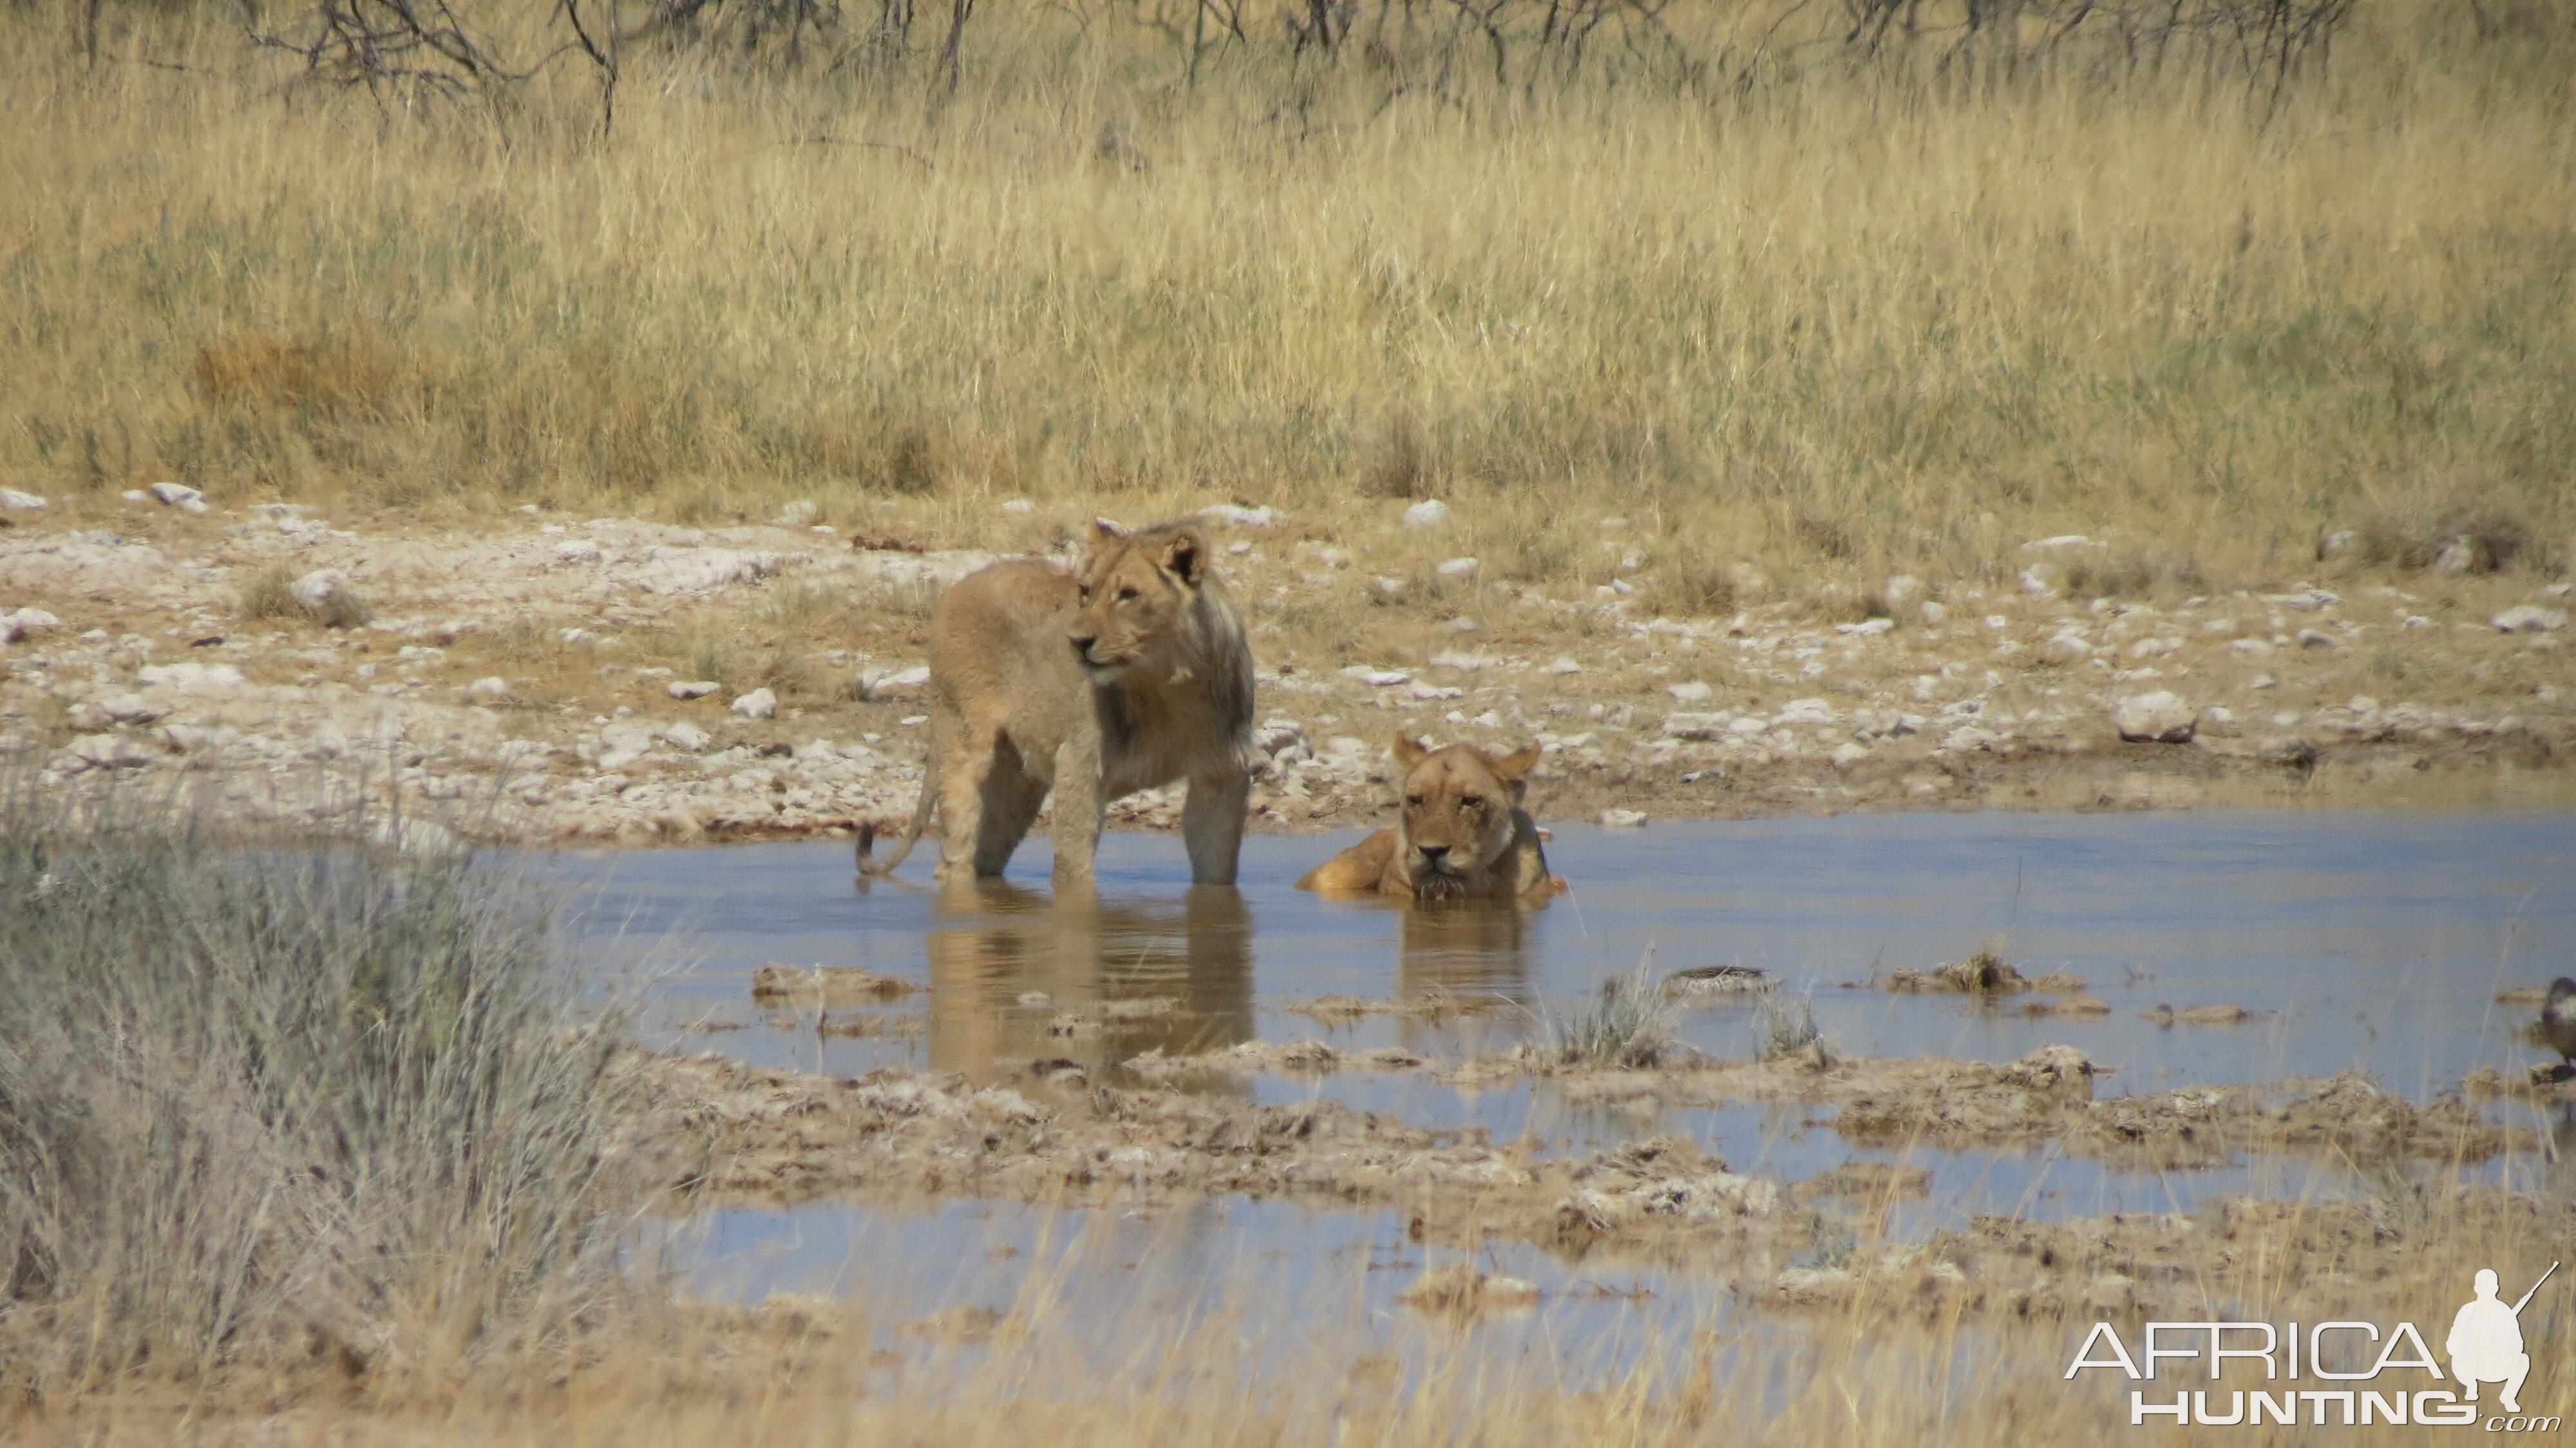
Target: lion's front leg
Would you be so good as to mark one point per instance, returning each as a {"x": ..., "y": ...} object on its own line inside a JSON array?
[
  {"x": 1078, "y": 808},
  {"x": 1212, "y": 826}
]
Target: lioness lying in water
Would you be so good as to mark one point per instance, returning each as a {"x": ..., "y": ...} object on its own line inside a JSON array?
[{"x": 1461, "y": 834}]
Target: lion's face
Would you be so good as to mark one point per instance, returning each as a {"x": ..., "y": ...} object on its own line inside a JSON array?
[
  {"x": 1457, "y": 813},
  {"x": 1138, "y": 596}
]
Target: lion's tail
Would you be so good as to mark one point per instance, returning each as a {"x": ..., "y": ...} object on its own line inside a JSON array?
[{"x": 921, "y": 813}]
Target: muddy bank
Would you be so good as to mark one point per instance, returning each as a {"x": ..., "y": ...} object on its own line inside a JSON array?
[
  {"x": 2050, "y": 1095},
  {"x": 1053, "y": 1135}
]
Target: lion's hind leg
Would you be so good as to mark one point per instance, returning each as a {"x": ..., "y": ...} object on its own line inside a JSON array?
[
  {"x": 1355, "y": 871},
  {"x": 1009, "y": 804}
]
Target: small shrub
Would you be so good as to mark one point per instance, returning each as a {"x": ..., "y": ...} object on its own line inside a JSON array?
[
  {"x": 263, "y": 1105},
  {"x": 268, "y": 595},
  {"x": 1783, "y": 1025},
  {"x": 2429, "y": 532},
  {"x": 1401, "y": 466},
  {"x": 1629, "y": 1025},
  {"x": 1696, "y": 587}
]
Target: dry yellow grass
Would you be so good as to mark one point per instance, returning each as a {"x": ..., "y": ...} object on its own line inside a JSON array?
[{"x": 1839, "y": 322}]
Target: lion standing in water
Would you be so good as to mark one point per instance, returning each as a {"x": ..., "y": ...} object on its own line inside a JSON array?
[
  {"x": 1461, "y": 833},
  {"x": 1126, "y": 674}
]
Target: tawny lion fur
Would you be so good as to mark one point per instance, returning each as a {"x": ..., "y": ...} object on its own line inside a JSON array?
[
  {"x": 1129, "y": 673},
  {"x": 1461, "y": 834}
]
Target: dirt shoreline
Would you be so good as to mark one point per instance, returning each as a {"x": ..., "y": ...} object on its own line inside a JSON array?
[
  {"x": 520, "y": 682},
  {"x": 720, "y": 1132}
]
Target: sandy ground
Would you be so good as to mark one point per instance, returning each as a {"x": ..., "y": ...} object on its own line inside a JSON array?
[{"x": 519, "y": 679}]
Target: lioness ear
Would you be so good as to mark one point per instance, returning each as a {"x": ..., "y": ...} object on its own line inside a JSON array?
[
  {"x": 1181, "y": 556},
  {"x": 1409, "y": 751},
  {"x": 1105, "y": 530},
  {"x": 1514, "y": 768}
]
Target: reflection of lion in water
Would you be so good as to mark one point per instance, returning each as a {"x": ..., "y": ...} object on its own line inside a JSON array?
[
  {"x": 1128, "y": 675},
  {"x": 1462, "y": 833}
]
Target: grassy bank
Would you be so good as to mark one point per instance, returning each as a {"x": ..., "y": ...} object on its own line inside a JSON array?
[{"x": 1833, "y": 311}]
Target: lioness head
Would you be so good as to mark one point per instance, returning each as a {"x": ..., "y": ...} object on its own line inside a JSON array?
[
  {"x": 1139, "y": 596},
  {"x": 1458, "y": 803}
]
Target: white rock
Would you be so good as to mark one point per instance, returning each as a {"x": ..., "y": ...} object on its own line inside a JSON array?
[
  {"x": 1693, "y": 692},
  {"x": 1019, "y": 505},
  {"x": 1695, "y": 726},
  {"x": 2261, "y": 681},
  {"x": 1847, "y": 755},
  {"x": 2034, "y": 581},
  {"x": 191, "y": 676},
  {"x": 315, "y": 588},
  {"x": 622, "y": 744},
  {"x": 576, "y": 636},
  {"x": 1434, "y": 691},
  {"x": 1564, "y": 665},
  {"x": 1749, "y": 726},
  {"x": 873, "y": 682},
  {"x": 691, "y": 688},
  {"x": 108, "y": 751},
  {"x": 688, "y": 736},
  {"x": 2531, "y": 618},
  {"x": 2151, "y": 647},
  {"x": 1935, "y": 613},
  {"x": 2252, "y": 648},
  {"x": 2059, "y": 543},
  {"x": 2065, "y": 648},
  {"x": 1901, "y": 590},
  {"x": 1430, "y": 513},
  {"x": 1454, "y": 659},
  {"x": 18, "y": 625},
  {"x": 1866, "y": 628},
  {"x": 13, "y": 499},
  {"x": 129, "y": 708},
  {"x": 1460, "y": 625},
  {"x": 579, "y": 550},
  {"x": 1456, "y": 568},
  {"x": 1803, "y": 711},
  {"x": 489, "y": 684},
  {"x": 1378, "y": 678},
  {"x": 135, "y": 495},
  {"x": 1237, "y": 516},
  {"x": 1622, "y": 819},
  {"x": 758, "y": 704},
  {"x": 796, "y": 514},
  {"x": 180, "y": 496},
  {"x": 702, "y": 570},
  {"x": 2157, "y": 718}
]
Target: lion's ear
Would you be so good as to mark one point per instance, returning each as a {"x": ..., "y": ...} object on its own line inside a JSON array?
[
  {"x": 1514, "y": 768},
  {"x": 1409, "y": 751},
  {"x": 1181, "y": 555},
  {"x": 1105, "y": 530}
]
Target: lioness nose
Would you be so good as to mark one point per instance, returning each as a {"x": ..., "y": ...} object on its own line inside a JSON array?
[
  {"x": 1433, "y": 853},
  {"x": 1082, "y": 643}
]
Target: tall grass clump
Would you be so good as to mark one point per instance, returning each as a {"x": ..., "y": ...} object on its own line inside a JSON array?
[
  {"x": 1627, "y": 1025},
  {"x": 319, "y": 1104}
]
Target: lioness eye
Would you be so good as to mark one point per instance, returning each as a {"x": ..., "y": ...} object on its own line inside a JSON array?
[
  {"x": 1125, "y": 594},
  {"x": 1082, "y": 591},
  {"x": 1413, "y": 799},
  {"x": 1472, "y": 801}
]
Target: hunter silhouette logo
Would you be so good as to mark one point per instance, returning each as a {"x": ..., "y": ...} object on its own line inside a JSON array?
[
  {"x": 2364, "y": 1373},
  {"x": 2486, "y": 1341}
]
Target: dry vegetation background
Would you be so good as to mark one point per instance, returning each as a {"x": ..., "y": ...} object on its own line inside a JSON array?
[{"x": 1853, "y": 287}]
